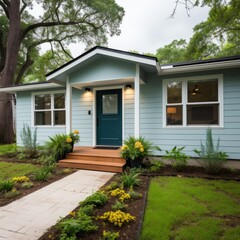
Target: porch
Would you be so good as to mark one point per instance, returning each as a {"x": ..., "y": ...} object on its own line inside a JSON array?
[{"x": 97, "y": 159}]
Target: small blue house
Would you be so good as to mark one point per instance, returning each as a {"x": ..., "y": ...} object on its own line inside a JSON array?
[{"x": 109, "y": 95}]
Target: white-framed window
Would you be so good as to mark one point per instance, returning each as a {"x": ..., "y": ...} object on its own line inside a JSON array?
[
  {"x": 193, "y": 101},
  {"x": 49, "y": 109}
]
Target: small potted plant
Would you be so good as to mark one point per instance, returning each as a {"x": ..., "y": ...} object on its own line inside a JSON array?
[
  {"x": 135, "y": 149},
  {"x": 73, "y": 138}
]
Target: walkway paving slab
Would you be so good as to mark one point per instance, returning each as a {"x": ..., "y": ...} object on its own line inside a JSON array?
[{"x": 29, "y": 218}]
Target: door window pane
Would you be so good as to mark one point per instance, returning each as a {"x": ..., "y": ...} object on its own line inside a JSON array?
[
  {"x": 59, "y": 117},
  {"x": 110, "y": 104},
  {"x": 174, "y": 92},
  {"x": 43, "y": 101},
  {"x": 203, "y": 91},
  {"x": 59, "y": 101},
  {"x": 43, "y": 118},
  {"x": 203, "y": 114},
  {"x": 174, "y": 115}
]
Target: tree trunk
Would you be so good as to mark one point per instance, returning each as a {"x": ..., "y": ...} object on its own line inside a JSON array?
[
  {"x": 6, "y": 118},
  {"x": 8, "y": 72}
]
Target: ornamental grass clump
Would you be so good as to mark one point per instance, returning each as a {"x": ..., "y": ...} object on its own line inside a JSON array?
[
  {"x": 129, "y": 178},
  {"x": 210, "y": 157},
  {"x": 137, "y": 148},
  {"x": 117, "y": 218},
  {"x": 6, "y": 186}
]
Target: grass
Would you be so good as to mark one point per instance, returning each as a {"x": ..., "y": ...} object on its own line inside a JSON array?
[
  {"x": 187, "y": 208},
  {"x": 7, "y": 148},
  {"x": 9, "y": 170}
]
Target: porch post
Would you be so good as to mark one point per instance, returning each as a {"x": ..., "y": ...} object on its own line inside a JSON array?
[
  {"x": 68, "y": 107},
  {"x": 136, "y": 102}
]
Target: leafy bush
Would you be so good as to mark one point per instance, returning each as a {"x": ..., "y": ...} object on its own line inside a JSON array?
[
  {"x": 129, "y": 178},
  {"x": 119, "y": 206},
  {"x": 135, "y": 148},
  {"x": 11, "y": 194},
  {"x": 88, "y": 210},
  {"x": 42, "y": 174},
  {"x": 156, "y": 166},
  {"x": 177, "y": 157},
  {"x": 210, "y": 157},
  {"x": 97, "y": 199},
  {"x": 110, "y": 235},
  {"x": 58, "y": 146},
  {"x": 134, "y": 195},
  {"x": 6, "y": 186},
  {"x": 27, "y": 185},
  {"x": 29, "y": 141},
  {"x": 113, "y": 185},
  {"x": 69, "y": 228}
]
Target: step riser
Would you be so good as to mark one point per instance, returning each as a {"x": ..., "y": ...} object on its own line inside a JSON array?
[
  {"x": 91, "y": 167},
  {"x": 95, "y": 158}
]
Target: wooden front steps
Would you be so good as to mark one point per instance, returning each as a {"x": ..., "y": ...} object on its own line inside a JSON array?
[{"x": 88, "y": 158}]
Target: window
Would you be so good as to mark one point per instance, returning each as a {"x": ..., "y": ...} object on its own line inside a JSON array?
[
  {"x": 193, "y": 101},
  {"x": 49, "y": 109}
]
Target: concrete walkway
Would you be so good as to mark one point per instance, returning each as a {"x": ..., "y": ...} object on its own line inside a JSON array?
[{"x": 29, "y": 217}]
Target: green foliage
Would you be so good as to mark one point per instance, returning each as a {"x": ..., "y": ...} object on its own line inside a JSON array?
[
  {"x": 87, "y": 209},
  {"x": 29, "y": 141},
  {"x": 8, "y": 149},
  {"x": 177, "y": 157},
  {"x": 119, "y": 206},
  {"x": 69, "y": 228},
  {"x": 97, "y": 199},
  {"x": 6, "y": 186},
  {"x": 210, "y": 157},
  {"x": 57, "y": 146},
  {"x": 135, "y": 148},
  {"x": 107, "y": 235},
  {"x": 113, "y": 185},
  {"x": 12, "y": 194},
  {"x": 42, "y": 174},
  {"x": 156, "y": 166},
  {"x": 130, "y": 178},
  {"x": 27, "y": 185},
  {"x": 134, "y": 195}
]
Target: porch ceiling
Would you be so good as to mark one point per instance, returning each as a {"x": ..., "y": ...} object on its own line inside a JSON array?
[{"x": 112, "y": 82}]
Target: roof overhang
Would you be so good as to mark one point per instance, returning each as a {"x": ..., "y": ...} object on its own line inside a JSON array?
[
  {"x": 29, "y": 87},
  {"x": 167, "y": 70}
]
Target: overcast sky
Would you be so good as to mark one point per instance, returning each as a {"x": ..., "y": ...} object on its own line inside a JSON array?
[{"x": 147, "y": 25}]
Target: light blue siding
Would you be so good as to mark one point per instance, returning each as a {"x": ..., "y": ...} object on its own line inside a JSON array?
[
  {"x": 24, "y": 116},
  {"x": 104, "y": 69},
  {"x": 151, "y": 125}
]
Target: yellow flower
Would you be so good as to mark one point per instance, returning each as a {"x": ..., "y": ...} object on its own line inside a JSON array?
[
  {"x": 76, "y": 132},
  {"x": 138, "y": 145},
  {"x": 124, "y": 147},
  {"x": 141, "y": 149},
  {"x": 68, "y": 140}
]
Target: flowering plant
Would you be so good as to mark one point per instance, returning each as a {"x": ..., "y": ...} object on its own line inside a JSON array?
[
  {"x": 137, "y": 148},
  {"x": 73, "y": 137}
]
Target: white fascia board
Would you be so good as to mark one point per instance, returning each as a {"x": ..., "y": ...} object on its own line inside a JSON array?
[
  {"x": 109, "y": 53},
  {"x": 29, "y": 87},
  {"x": 200, "y": 67}
]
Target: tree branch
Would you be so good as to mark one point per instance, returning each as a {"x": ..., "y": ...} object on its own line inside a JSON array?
[
  {"x": 23, "y": 7},
  {"x": 5, "y": 9}
]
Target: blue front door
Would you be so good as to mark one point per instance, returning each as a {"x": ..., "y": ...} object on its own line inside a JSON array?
[{"x": 109, "y": 117}]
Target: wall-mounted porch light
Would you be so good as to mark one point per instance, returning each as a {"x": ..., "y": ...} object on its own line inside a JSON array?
[
  {"x": 128, "y": 86},
  {"x": 87, "y": 89}
]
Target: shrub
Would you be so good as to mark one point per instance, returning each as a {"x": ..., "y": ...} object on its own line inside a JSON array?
[
  {"x": 156, "y": 166},
  {"x": 42, "y": 174},
  {"x": 110, "y": 235},
  {"x": 29, "y": 141},
  {"x": 134, "y": 195},
  {"x": 27, "y": 185},
  {"x": 210, "y": 157},
  {"x": 69, "y": 228},
  {"x": 58, "y": 146},
  {"x": 119, "y": 206},
  {"x": 97, "y": 199},
  {"x": 177, "y": 157},
  {"x": 6, "y": 186},
  {"x": 117, "y": 218},
  {"x": 129, "y": 178},
  {"x": 137, "y": 148},
  {"x": 11, "y": 194},
  {"x": 88, "y": 210}
]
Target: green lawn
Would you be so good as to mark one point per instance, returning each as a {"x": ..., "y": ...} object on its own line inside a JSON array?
[
  {"x": 9, "y": 170},
  {"x": 7, "y": 148},
  {"x": 192, "y": 209}
]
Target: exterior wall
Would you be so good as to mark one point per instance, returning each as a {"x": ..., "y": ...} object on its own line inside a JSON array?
[
  {"x": 104, "y": 69},
  {"x": 82, "y": 102},
  {"x": 151, "y": 120},
  {"x": 24, "y": 115}
]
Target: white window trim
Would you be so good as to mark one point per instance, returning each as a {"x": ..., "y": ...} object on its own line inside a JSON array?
[
  {"x": 184, "y": 81},
  {"x": 51, "y": 109}
]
